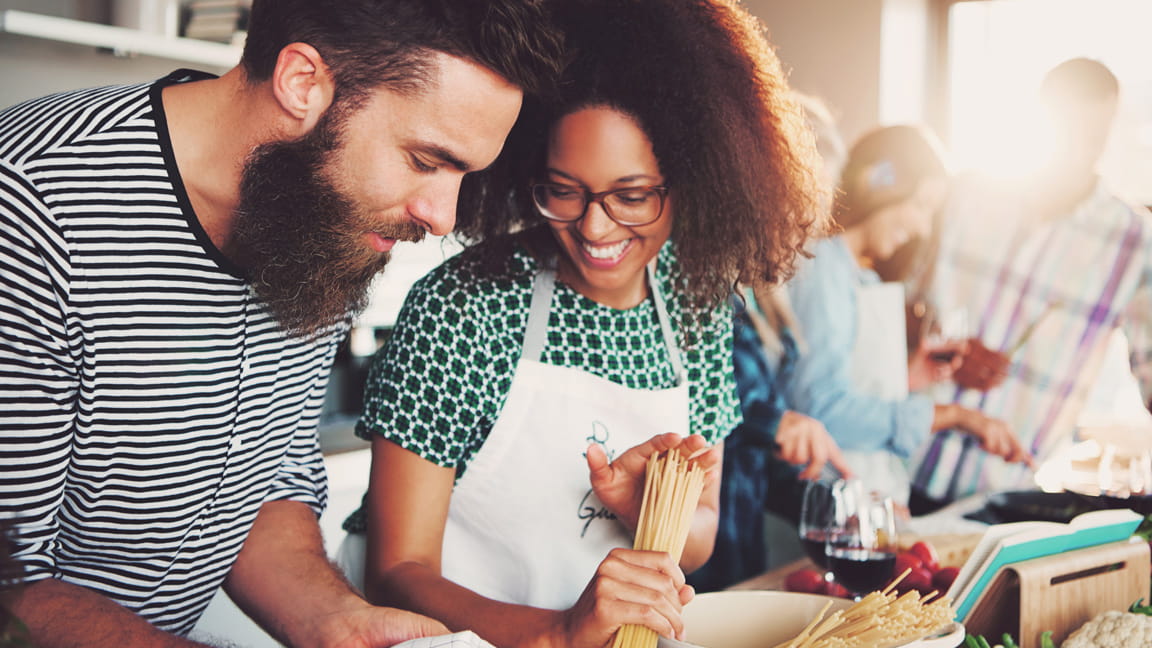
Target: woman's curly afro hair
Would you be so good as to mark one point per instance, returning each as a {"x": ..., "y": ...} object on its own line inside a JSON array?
[{"x": 701, "y": 80}]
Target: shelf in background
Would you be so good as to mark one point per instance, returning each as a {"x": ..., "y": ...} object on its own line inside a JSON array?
[{"x": 118, "y": 39}]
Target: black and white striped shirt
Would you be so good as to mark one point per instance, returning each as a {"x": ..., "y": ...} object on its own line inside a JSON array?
[{"x": 148, "y": 403}]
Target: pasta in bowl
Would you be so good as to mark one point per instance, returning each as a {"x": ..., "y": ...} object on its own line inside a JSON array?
[{"x": 767, "y": 619}]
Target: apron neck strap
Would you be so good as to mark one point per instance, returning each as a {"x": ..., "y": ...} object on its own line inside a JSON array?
[
  {"x": 543, "y": 287},
  {"x": 665, "y": 324},
  {"x": 536, "y": 333}
]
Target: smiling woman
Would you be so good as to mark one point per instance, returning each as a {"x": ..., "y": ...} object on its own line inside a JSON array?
[
  {"x": 585, "y": 329},
  {"x": 609, "y": 237}
]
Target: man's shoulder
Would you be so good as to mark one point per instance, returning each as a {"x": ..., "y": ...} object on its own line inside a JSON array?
[
  {"x": 34, "y": 127},
  {"x": 1138, "y": 215},
  {"x": 981, "y": 205},
  {"x": 1110, "y": 215}
]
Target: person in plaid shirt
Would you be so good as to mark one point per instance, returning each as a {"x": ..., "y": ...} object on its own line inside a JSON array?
[{"x": 1047, "y": 269}]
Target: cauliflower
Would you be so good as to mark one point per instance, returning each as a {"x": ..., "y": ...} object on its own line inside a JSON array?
[{"x": 1113, "y": 629}]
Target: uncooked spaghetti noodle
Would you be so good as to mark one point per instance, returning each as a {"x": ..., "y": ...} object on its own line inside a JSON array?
[
  {"x": 879, "y": 620},
  {"x": 672, "y": 488}
]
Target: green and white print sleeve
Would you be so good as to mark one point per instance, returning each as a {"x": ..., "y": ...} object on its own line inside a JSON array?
[{"x": 437, "y": 385}]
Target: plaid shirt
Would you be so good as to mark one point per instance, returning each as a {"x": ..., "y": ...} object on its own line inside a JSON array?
[{"x": 1079, "y": 277}]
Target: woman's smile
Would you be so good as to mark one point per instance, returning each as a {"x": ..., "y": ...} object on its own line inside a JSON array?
[{"x": 606, "y": 253}]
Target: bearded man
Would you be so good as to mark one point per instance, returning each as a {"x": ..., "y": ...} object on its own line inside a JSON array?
[{"x": 180, "y": 260}]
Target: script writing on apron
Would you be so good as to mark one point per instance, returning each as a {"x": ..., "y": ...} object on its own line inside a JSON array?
[{"x": 590, "y": 509}]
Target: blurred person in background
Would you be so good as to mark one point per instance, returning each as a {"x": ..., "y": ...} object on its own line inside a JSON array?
[
  {"x": 856, "y": 374},
  {"x": 912, "y": 265},
  {"x": 1047, "y": 267},
  {"x": 770, "y": 454}
]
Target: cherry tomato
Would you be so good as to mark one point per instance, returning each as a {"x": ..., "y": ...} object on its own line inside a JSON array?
[
  {"x": 919, "y": 579},
  {"x": 942, "y": 580},
  {"x": 906, "y": 560},
  {"x": 805, "y": 580},
  {"x": 927, "y": 554},
  {"x": 832, "y": 588}
]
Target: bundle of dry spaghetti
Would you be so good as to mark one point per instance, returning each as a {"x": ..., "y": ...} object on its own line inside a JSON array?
[
  {"x": 672, "y": 488},
  {"x": 879, "y": 620}
]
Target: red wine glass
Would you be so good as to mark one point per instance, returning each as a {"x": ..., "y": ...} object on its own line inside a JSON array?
[
  {"x": 861, "y": 538},
  {"x": 815, "y": 516}
]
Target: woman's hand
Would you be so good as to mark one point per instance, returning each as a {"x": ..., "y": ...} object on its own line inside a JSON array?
[
  {"x": 620, "y": 484},
  {"x": 934, "y": 362},
  {"x": 803, "y": 440},
  {"x": 630, "y": 587}
]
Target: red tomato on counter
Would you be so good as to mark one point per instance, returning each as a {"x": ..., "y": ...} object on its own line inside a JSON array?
[
  {"x": 906, "y": 560},
  {"x": 832, "y": 588},
  {"x": 806, "y": 580},
  {"x": 927, "y": 554},
  {"x": 943, "y": 579},
  {"x": 919, "y": 579}
]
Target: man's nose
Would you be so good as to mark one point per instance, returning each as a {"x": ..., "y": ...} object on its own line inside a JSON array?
[{"x": 435, "y": 207}]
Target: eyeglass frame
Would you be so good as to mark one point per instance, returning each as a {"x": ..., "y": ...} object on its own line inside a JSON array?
[{"x": 598, "y": 197}]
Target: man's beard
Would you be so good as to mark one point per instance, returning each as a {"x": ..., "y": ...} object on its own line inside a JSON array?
[{"x": 299, "y": 238}]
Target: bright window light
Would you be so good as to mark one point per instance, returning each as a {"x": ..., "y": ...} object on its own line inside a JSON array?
[{"x": 1000, "y": 50}]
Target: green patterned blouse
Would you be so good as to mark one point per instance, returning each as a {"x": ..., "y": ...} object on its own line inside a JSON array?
[{"x": 437, "y": 386}]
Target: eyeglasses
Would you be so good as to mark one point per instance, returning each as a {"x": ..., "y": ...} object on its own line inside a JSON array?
[{"x": 628, "y": 206}]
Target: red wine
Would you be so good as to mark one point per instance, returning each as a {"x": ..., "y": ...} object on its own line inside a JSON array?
[
  {"x": 813, "y": 542},
  {"x": 861, "y": 570},
  {"x": 942, "y": 356}
]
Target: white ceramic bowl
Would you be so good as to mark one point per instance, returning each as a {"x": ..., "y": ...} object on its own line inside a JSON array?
[{"x": 755, "y": 619}]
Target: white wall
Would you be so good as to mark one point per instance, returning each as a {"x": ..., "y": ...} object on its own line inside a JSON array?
[
  {"x": 831, "y": 49},
  {"x": 868, "y": 59}
]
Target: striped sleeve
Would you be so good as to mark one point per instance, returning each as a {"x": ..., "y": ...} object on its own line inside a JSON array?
[
  {"x": 301, "y": 476},
  {"x": 37, "y": 384}
]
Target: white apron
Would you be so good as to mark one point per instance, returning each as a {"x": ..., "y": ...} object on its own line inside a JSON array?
[
  {"x": 523, "y": 524},
  {"x": 880, "y": 369}
]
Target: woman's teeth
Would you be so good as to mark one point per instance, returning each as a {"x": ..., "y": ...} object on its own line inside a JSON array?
[{"x": 606, "y": 251}]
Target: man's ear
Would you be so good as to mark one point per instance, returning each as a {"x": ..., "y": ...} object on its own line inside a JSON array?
[{"x": 302, "y": 85}]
